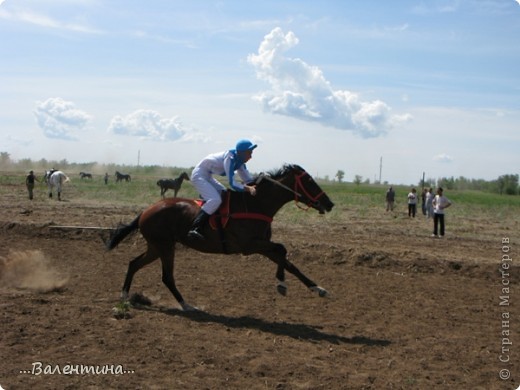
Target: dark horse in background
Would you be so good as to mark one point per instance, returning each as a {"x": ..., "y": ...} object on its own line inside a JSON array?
[
  {"x": 122, "y": 176},
  {"x": 172, "y": 184},
  {"x": 85, "y": 175},
  {"x": 247, "y": 229}
]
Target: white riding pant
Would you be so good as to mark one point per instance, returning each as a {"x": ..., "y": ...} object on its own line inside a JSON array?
[{"x": 209, "y": 189}]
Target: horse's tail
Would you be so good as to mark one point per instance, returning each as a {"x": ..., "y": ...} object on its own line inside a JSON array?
[{"x": 117, "y": 235}]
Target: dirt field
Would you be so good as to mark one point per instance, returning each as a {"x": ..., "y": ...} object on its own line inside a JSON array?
[{"x": 406, "y": 311}]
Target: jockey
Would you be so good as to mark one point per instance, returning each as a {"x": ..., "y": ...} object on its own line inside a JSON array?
[{"x": 223, "y": 164}]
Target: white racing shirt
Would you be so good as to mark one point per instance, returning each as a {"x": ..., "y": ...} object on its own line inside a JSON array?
[{"x": 223, "y": 164}]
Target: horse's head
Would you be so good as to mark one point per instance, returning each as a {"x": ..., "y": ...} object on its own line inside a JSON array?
[{"x": 305, "y": 189}]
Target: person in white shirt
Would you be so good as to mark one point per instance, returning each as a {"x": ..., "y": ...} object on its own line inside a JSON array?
[
  {"x": 439, "y": 203},
  {"x": 412, "y": 203},
  {"x": 223, "y": 164}
]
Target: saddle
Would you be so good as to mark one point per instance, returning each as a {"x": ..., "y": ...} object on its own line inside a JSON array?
[{"x": 221, "y": 217}]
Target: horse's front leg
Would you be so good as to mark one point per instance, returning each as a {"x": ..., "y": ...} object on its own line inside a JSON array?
[
  {"x": 167, "y": 258},
  {"x": 135, "y": 265},
  {"x": 278, "y": 254}
]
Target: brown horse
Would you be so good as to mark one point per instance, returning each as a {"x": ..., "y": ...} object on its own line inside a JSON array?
[{"x": 246, "y": 230}]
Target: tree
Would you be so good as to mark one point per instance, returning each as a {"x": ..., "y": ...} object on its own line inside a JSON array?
[
  {"x": 5, "y": 158},
  {"x": 340, "y": 175},
  {"x": 447, "y": 183},
  {"x": 508, "y": 184},
  {"x": 358, "y": 179}
]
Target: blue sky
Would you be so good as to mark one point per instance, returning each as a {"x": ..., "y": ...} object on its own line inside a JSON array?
[{"x": 429, "y": 86}]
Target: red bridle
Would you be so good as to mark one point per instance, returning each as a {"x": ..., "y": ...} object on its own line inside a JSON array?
[{"x": 298, "y": 185}]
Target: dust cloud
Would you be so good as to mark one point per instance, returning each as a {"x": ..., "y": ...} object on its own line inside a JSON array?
[{"x": 29, "y": 270}]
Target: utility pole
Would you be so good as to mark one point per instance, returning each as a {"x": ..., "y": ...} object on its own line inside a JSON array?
[{"x": 380, "y": 168}]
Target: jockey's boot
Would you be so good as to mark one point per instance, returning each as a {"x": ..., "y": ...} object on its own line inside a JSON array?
[
  {"x": 59, "y": 195},
  {"x": 198, "y": 223}
]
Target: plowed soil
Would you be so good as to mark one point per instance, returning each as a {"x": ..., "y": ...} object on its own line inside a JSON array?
[{"x": 406, "y": 311}]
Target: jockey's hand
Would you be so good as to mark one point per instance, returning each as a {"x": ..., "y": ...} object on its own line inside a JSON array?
[{"x": 251, "y": 189}]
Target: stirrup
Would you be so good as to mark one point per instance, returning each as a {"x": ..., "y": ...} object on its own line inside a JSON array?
[{"x": 195, "y": 234}]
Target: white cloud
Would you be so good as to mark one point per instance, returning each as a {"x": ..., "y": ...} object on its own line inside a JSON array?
[
  {"x": 59, "y": 118},
  {"x": 301, "y": 91},
  {"x": 41, "y": 20},
  {"x": 147, "y": 124},
  {"x": 443, "y": 158},
  {"x": 402, "y": 27}
]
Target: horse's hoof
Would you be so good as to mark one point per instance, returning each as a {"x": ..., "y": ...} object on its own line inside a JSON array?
[
  {"x": 322, "y": 293},
  {"x": 186, "y": 307},
  {"x": 282, "y": 289}
]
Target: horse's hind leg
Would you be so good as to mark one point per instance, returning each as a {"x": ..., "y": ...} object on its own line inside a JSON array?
[
  {"x": 167, "y": 259},
  {"x": 135, "y": 265},
  {"x": 278, "y": 254}
]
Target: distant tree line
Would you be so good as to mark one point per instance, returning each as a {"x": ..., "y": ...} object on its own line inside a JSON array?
[
  {"x": 26, "y": 164},
  {"x": 504, "y": 185}
]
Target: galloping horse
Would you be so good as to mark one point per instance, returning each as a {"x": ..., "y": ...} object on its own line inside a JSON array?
[
  {"x": 172, "y": 184},
  {"x": 85, "y": 175},
  {"x": 121, "y": 176},
  {"x": 245, "y": 228},
  {"x": 56, "y": 180}
]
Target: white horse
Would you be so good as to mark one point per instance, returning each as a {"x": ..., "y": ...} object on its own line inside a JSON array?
[{"x": 56, "y": 180}]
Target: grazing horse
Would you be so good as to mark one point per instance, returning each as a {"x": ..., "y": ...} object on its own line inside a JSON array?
[
  {"x": 122, "y": 176},
  {"x": 244, "y": 228},
  {"x": 84, "y": 175},
  {"x": 56, "y": 180},
  {"x": 172, "y": 184}
]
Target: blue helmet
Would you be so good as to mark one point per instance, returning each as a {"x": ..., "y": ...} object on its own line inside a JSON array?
[{"x": 244, "y": 145}]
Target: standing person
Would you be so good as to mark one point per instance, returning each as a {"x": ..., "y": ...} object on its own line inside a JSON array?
[
  {"x": 106, "y": 178},
  {"x": 223, "y": 164},
  {"x": 440, "y": 202},
  {"x": 429, "y": 206},
  {"x": 390, "y": 199},
  {"x": 412, "y": 203},
  {"x": 423, "y": 201},
  {"x": 29, "y": 182}
]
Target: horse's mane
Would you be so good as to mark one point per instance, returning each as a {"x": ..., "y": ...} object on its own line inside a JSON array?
[{"x": 277, "y": 174}]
